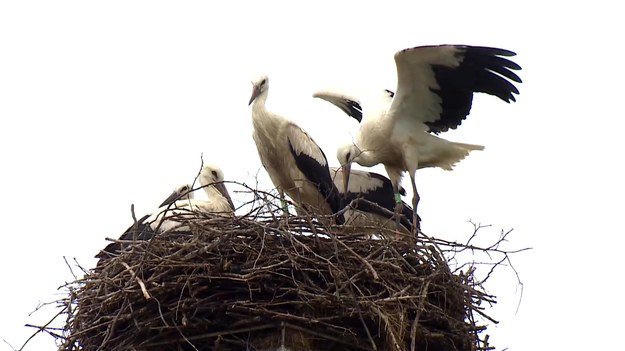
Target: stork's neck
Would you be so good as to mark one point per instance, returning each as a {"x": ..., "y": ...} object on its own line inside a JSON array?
[
  {"x": 258, "y": 105},
  {"x": 367, "y": 159},
  {"x": 265, "y": 123},
  {"x": 212, "y": 192}
]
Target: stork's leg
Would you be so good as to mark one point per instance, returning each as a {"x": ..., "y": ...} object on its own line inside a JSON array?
[
  {"x": 285, "y": 206},
  {"x": 395, "y": 175},
  {"x": 399, "y": 207},
  {"x": 415, "y": 201}
]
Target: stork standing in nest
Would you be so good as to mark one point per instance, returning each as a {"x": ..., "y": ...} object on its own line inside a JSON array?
[
  {"x": 295, "y": 163},
  {"x": 435, "y": 87},
  {"x": 178, "y": 206}
]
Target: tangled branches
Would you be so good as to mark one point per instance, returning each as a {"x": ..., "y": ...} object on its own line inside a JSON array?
[{"x": 262, "y": 282}]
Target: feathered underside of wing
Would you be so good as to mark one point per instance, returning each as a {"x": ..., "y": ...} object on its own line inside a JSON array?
[{"x": 436, "y": 83}]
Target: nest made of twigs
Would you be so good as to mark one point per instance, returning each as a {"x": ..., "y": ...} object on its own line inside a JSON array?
[{"x": 241, "y": 283}]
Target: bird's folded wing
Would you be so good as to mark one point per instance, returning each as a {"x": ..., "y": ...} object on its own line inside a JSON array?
[
  {"x": 301, "y": 143},
  {"x": 377, "y": 190},
  {"x": 364, "y": 181},
  {"x": 312, "y": 162}
]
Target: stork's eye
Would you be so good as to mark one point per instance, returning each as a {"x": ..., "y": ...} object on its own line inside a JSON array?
[
  {"x": 215, "y": 174},
  {"x": 349, "y": 156}
]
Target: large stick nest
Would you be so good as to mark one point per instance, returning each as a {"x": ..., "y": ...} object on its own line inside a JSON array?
[{"x": 262, "y": 283}]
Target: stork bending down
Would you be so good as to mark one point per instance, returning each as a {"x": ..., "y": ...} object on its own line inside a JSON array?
[
  {"x": 294, "y": 162},
  {"x": 435, "y": 87}
]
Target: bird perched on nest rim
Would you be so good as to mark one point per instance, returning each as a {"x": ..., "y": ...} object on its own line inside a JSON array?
[
  {"x": 295, "y": 163},
  {"x": 177, "y": 207},
  {"x": 435, "y": 87}
]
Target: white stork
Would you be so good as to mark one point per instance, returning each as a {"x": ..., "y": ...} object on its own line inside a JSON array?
[
  {"x": 295, "y": 163},
  {"x": 178, "y": 206},
  {"x": 435, "y": 87},
  {"x": 375, "y": 201}
]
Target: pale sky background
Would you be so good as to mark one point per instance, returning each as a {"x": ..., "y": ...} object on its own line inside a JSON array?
[{"x": 105, "y": 104}]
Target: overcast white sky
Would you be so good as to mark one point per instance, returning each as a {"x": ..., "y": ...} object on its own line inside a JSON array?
[{"x": 105, "y": 104}]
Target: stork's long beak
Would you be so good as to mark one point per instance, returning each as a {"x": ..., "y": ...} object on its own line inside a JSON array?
[
  {"x": 221, "y": 187},
  {"x": 255, "y": 92},
  {"x": 347, "y": 168},
  {"x": 180, "y": 193}
]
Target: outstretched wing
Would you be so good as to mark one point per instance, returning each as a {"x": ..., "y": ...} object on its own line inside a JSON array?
[{"x": 435, "y": 84}]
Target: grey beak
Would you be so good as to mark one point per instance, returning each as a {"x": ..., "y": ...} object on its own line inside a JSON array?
[
  {"x": 347, "y": 168},
  {"x": 178, "y": 194},
  {"x": 221, "y": 187},
  {"x": 255, "y": 93}
]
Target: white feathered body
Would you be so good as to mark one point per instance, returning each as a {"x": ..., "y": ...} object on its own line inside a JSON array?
[
  {"x": 173, "y": 216},
  {"x": 406, "y": 144},
  {"x": 271, "y": 133}
]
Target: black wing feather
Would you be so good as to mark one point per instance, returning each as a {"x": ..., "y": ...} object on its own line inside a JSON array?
[
  {"x": 383, "y": 197},
  {"x": 353, "y": 109},
  {"x": 319, "y": 175},
  {"x": 350, "y": 107},
  {"x": 387, "y": 186},
  {"x": 482, "y": 70},
  {"x": 375, "y": 204},
  {"x": 141, "y": 231}
]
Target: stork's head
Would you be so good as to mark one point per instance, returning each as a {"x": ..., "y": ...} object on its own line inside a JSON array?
[
  {"x": 347, "y": 154},
  {"x": 183, "y": 191},
  {"x": 212, "y": 176},
  {"x": 259, "y": 86}
]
